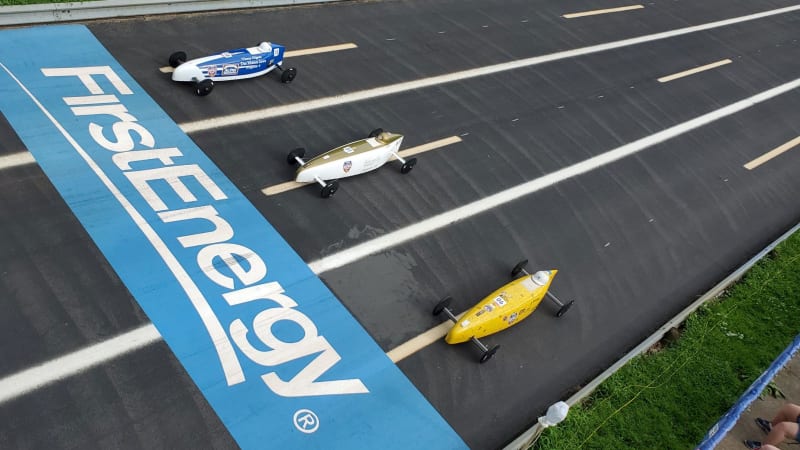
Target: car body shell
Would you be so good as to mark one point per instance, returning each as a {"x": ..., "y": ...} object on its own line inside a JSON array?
[
  {"x": 501, "y": 309},
  {"x": 350, "y": 159},
  {"x": 234, "y": 64}
]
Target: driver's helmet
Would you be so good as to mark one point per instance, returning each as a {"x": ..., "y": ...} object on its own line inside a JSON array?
[
  {"x": 265, "y": 47},
  {"x": 384, "y": 135},
  {"x": 541, "y": 277}
]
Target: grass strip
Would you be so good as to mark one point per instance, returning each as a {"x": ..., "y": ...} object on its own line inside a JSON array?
[{"x": 670, "y": 396}]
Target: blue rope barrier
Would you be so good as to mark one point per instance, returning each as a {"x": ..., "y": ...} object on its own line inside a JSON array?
[{"x": 729, "y": 419}]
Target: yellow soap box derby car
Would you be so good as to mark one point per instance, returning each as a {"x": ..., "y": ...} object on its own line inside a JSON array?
[
  {"x": 348, "y": 160},
  {"x": 501, "y": 309}
]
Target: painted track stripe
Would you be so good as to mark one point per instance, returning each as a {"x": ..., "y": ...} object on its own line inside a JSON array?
[
  {"x": 277, "y": 111},
  {"x": 602, "y": 11},
  {"x": 283, "y": 187},
  {"x": 417, "y": 343},
  {"x": 427, "y": 147},
  {"x": 289, "y": 185},
  {"x": 772, "y": 154},
  {"x": 42, "y": 374},
  {"x": 16, "y": 159},
  {"x": 686, "y": 73},
  {"x": 444, "y": 219},
  {"x": 316, "y": 50},
  {"x": 293, "y": 53},
  {"x": 73, "y": 363}
]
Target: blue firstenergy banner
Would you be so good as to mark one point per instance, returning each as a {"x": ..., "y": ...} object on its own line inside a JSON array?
[{"x": 278, "y": 357}]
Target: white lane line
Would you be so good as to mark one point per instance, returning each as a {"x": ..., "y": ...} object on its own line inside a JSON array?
[
  {"x": 686, "y": 73},
  {"x": 602, "y": 11},
  {"x": 117, "y": 347},
  {"x": 293, "y": 53},
  {"x": 16, "y": 159},
  {"x": 289, "y": 185},
  {"x": 277, "y": 111},
  {"x": 425, "y": 339},
  {"x": 73, "y": 363},
  {"x": 772, "y": 154},
  {"x": 444, "y": 219}
]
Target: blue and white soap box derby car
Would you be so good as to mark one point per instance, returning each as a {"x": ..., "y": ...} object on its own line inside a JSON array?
[{"x": 234, "y": 64}]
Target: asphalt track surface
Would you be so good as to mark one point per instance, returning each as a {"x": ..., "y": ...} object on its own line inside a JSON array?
[{"x": 635, "y": 241}]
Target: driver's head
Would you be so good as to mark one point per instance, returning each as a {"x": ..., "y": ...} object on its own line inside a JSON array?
[{"x": 541, "y": 277}]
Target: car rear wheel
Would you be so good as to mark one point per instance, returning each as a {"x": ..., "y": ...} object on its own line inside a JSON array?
[
  {"x": 330, "y": 188},
  {"x": 177, "y": 58},
  {"x": 563, "y": 310},
  {"x": 408, "y": 165},
  {"x": 203, "y": 87},
  {"x": 487, "y": 355},
  {"x": 288, "y": 75}
]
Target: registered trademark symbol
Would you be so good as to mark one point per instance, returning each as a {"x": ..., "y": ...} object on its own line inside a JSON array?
[{"x": 306, "y": 421}]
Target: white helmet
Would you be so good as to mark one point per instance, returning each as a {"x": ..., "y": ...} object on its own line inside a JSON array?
[
  {"x": 265, "y": 47},
  {"x": 541, "y": 277}
]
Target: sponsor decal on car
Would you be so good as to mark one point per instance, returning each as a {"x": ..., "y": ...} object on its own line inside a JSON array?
[
  {"x": 230, "y": 69},
  {"x": 347, "y": 166}
]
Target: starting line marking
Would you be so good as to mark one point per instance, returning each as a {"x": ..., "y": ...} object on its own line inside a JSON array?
[
  {"x": 16, "y": 159},
  {"x": 289, "y": 185},
  {"x": 686, "y": 73},
  {"x": 73, "y": 363},
  {"x": 772, "y": 154},
  {"x": 293, "y": 53},
  {"x": 601, "y": 11},
  {"x": 425, "y": 339}
]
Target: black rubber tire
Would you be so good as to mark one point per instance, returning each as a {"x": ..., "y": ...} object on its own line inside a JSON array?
[
  {"x": 563, "y": 310},
  {"x": 443, "y": 303},
  {"x": 518, "y": 268},
  {"x": 177, "y": 58},
  {"x": 298, "y": 152},
  {"x": 288, "y": 75},
  {"x": 376, "y": 132},
  {"x": 487, "y": 355},
  {"x": 408, "y": 165},
  {"x": 203, "y": 87},
  {"x": 330, "y": 188}
]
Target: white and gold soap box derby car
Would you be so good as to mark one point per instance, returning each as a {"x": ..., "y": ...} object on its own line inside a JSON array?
[
  {"x": 236, "y": 64},
  {"x": 348, "y": 160}
]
